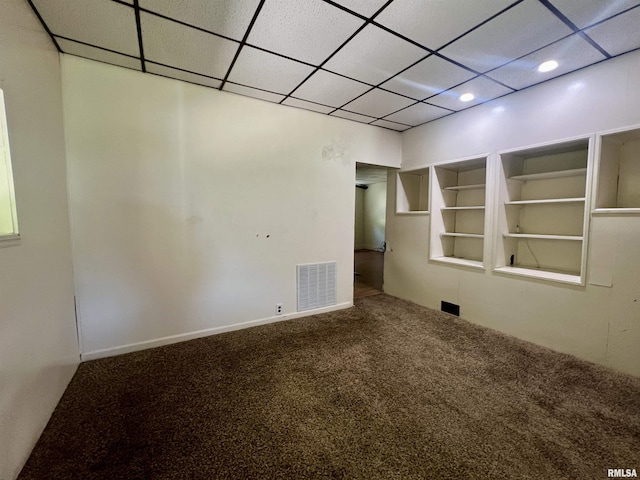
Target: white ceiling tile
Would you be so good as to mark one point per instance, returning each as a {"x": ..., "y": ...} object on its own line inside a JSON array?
[
  {"x": 330, "y": 89},
  {"x": 179, "y": 46},
  {"x": 571, "y": 54},
  {"x": 225, "y": 17},
  {"x": 587, "y": 12},
  {"x": 619, "y": 34},
  {"x": 522, "y": 29},
  {"x": 435, "y": 23},
  {"x": 363, "y": 7},
  {"x": 97, "y": 54},
  {"x": 252, "y": 92},
  {"x": 378, "y": 103},
  {"x": 427, "y": 78},
  {"x": 307, "y": 30},
  {"x": 482, "y": 88},
  {"x": 180, "y": 75},
  {"x": 104, "y": 24},
  {"x": 294, "y": 102},
  {"x": 418, "y": 114},
  {"x": 352, "y": 116},
  {"x": 267, "y": 71},
  {"x": 374, "y": 55},
  {"x": 391, "y": 125}
]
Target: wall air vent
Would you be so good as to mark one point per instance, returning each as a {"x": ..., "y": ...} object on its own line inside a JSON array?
[{"x": 316, "y": 285}]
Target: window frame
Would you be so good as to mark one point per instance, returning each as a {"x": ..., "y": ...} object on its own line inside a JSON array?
[{"x": 12, "y": 238}]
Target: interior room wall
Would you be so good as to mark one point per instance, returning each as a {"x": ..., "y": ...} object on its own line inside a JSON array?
[
  {"x": 596, "y": 323},
  {"x": 375, "y": 204},
  {"x": 359, "y": 220},
  {"x": 192, "y": 207},
  {"x": 38, "y": 341}
]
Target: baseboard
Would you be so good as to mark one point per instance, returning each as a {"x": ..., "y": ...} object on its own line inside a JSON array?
[{"x": 158, "y": 342}]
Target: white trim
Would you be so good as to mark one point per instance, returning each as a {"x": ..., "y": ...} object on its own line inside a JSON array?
[
  {"x": 10, "y": 240},
  {"x": 158, "y": 342}
]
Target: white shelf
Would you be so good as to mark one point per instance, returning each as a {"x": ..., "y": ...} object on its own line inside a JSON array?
[
  {"x": 476, "y": 186},
  {"x": 458, "y": 200},
  {"x": 475, "y": 207},
  {"x": 414, "y": 212},
  {"x": 576, "y": 172},
  {"x": 616, "y": 211},
  {"x": 457, "y": 234},
  {"x": 532, "y": 272},
  {"x": 464, "y": 262},
  {"x": 543, "y": 237},
  {"x": 546, "y": 201}
]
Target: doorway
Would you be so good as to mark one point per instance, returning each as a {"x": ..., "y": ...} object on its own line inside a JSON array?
[{"x": 370, "y": 223}]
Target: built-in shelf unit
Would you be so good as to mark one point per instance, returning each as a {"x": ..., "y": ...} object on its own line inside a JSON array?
[
  {"x": 412, "y": 192},
  {"x": 458, "y": 203},
  {"x": 543, "y": 211},
  {"x": 618, "y": 172}
]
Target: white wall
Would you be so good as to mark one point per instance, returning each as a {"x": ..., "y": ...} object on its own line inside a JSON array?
[
  {"x": 38, "y": 343},
  {"x": 358, "y": 241},
  {"x": 375, "y": 204},
  {"x": 191, "y": 207},
  {"x": 596, "y": 323}
]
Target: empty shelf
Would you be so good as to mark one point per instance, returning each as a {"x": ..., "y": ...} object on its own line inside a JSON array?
[
  {"x": 465, "y": 262},
  {"x": 533, "y": 272},
  {"x": 546, "y": 200},
  {"x": 545, "y": 175},
  {"x": 467, "y": 235},
  {"x": 466, "y": 187},
  {"x": 476, "y": 207},
  {"x": 544, "y": 237}
]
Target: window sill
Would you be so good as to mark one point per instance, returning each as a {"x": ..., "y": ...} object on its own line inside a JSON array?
[{"x": 10, "y": 240}]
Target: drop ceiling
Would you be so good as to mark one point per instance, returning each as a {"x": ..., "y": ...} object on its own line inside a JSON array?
[{"x": 395, "y": 64}]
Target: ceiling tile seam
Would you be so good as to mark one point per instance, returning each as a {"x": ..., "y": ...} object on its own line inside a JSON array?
[
  {"x": 305, "y": 100},
  {"x": 488, "y": 72},
  {"x": 185, "y": 24},
  {"x": 243, "y": 42},
  {"x": 573, "y": 26},
  {"x": 103, "y": 61},
  {"x": 286, "y": 57},
  {"x": 379, "y": 87},
  {"x": 495, "y": 15},
  {"x": 94, "y": 46},
  {"x": 473, "y": 106},
  {"x": 340, "y": 47},
  {"x": 136, "y": 8},
  {"x": 44, "y": 25},
  {"x": 182, "y": 80},
  {"x": 347, "y": 10},
  {"x": 404, "y": 108},
  {"x": 627, "y": 10},
  {"x": 444, "y": 108},
  {"x": 182, "y": 70},
  {"x": 347, "y": 77},
  {"x": 431, "y": 52}
]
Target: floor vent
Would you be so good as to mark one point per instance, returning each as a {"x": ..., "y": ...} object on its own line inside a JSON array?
[
  {"x": 316, "y": 285},
  {"x": 451, "y": 308}
]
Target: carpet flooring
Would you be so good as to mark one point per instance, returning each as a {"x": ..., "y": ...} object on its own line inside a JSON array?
[{"x": 384, "y": 390}]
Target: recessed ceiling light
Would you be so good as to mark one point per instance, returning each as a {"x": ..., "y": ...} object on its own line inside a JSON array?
[
  {"x": 548, "y": 66},
  {"x": 467, "y": 97}
]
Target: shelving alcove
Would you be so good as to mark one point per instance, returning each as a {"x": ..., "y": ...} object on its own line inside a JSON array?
[
  {"x": 412, "y": 192},
  {"x": 458, "y": 203},
  {"x": 543, "y": 211},
  {"x": 617, "y": 172}
]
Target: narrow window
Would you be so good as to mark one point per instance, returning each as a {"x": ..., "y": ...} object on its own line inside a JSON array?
[{"x": 8, "y": 219}]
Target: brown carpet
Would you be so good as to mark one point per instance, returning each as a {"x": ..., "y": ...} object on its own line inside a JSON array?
[{"x": 385, "y": 390}]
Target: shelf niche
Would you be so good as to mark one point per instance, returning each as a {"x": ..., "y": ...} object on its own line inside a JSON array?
[
  {"x": 541, "y": 215},
  {"x": 458, "y": 212},
  {"x": 618, "y": 174},
  {"x": 412, "y": 191}
]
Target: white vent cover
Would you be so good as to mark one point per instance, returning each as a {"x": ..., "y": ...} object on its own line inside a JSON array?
[{"x": 316, "y": 285}]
